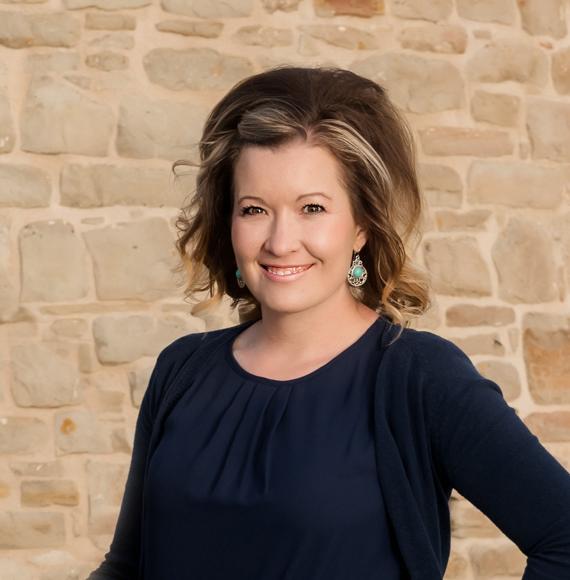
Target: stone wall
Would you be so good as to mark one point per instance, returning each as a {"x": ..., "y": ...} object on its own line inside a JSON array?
[{"x": 99, "y": 97}]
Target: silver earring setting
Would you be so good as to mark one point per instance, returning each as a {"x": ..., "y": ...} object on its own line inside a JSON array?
[
  {"x": 357, "y": 273},
  {"x": 240, "y": 281}
]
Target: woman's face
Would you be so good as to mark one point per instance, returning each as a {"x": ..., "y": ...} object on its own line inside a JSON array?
[{"x": 291, "y": 210}]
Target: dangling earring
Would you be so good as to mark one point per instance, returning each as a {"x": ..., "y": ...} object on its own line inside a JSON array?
[
  {"x": 240, "y": 281},
  {"x": 357, "y": 273}
]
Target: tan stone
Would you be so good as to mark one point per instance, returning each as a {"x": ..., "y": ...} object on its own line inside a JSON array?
[
  {"x": 523, "y": 255},
  {"x": 543, "y": 17},
  {"x": 465, "y": 141},
  {"x": 495, "y": 108},
  {"x": 124, "y": 339},
  {"x": 107, "y": 60},
  {"x": 487, "y": 11},
  {"x": 546, "y": 349},
  {"x": 467, "y": 521},
  {"x": 267, "y": 36},
  {"x": 102, "y": 21},
  {"x": 114, "y": 41},
  {"x": 508, "y": 59},
  {"x": 441, "y": 184},
  {"x": 516, "y": 184},
  {"x": 104, "y": 184},
  {"x": 133, "y": 260},
  {"x": 106, "y": 487},
  {"x": 31, "y": 529},
  {"x": 69, "y": 327},
  {"x": 59, "y": 118},
  {"x": 477, "y": 344},
  {"x": 105, "y": 4},
  {"x": 153, "y": 128},
  {"x": 24, "y": 186},
  {"x": 548, "y": 124},
  {"x": 504, "y": 374},
  {"x": 497, "y": 562},
  {"x": 54, "y": 61},
  {"x": 474, "y": 220},
  {"x": 195, "y": 68},
  {"x": 465, "y": 315},
  {"x": 22, "y": 435},
  {"x": 138, "y": 382},
  {"x": 16, "y": 570},
  {"x": 41, "y": 493},
  {"x": 560, "y": 70},
  {"x": 457, "y": 566},
  {"x": 362, "y": 8},
  {"x": 37, "y": 468},
  {"x": 272, "y": 6},
  {"x": 45, "y": 375},
  {"x": 206, "y": 29},
  {"x": 343, "y": 36},
  {"x": 22, "y": 30},
  {"x": 209, "y": 8},
  {"x": 416, "y": 84},
  {"x": 457, "y": 266},
  {"x": 553, "y": 426},
  {"x": 54, "y": 262},
  {"x": 7, "y": 136},
  {"x": 443, "y": 38},
  {"x": 433, "y": 10},
  {"x": 79, "y": 431}
]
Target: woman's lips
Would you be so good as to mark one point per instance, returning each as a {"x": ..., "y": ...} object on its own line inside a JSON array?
[{"x": 284, "y": 277}]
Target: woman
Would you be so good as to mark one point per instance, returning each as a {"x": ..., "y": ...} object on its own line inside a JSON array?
[{"x": 321, "y": 437}]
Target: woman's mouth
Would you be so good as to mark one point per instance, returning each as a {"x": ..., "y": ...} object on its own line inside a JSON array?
[{"x": 285, "y": 273}]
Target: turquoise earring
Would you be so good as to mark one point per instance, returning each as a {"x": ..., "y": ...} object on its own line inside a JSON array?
[
  {"x": 357, "y": 273},
  {"x": 240, "y": 281}
]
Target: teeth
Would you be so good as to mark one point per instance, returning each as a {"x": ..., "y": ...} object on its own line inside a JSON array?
[{"x": 286, "y": 271}]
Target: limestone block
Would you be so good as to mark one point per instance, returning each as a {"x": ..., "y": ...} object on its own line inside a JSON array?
[
  {"x": 195, "y": 68},
  {"x": 560, "y": 70},
  {"x": 516, "y": 184},
  {"x": 442, "y": 38},
  {"x": 103, "y": 21},
  {"x": 133, "y": 260},
  {"x": 54, "y": 262},
  {"x": 548, "y": 124},
  {"x": 205, "y": 29},
  {"x": 7, "y": 136},
  {"x": 138, "y": 381},
  {"x": 153, "y": 128},
  {"x": 45, "y": 375},
  {"x": 31, "y": 529},
  {"x": 209, "y": 8},
  {"x": 22, "y": 435},
  {"x": 342, "y": 36},
  {"x": 503, "y": 374},
  {"x": 457, "y": 267},
  {"x": 473, "y": 315},
  {"x": 544, "y": 17},
  {"x": 272, "y": 6},
  {"x": 433, "y": 10},
  {"x": 24, "y": 186},
  {"x": 495, "y": 108},
  {"x": 42, "y": 493},
  {"x": 79, "y": 431},
  {"x": 22, "y": 30},
  {"x": 487, "y": 11},
  {"x": 267, "y": 36},
  {"x": 523, "y": 254},
  {"x": 465, "y": 141},
  {"x": 105, "y": 4},
  {"x": 57, "y": 117},
  {"x": 416, "y": 84}
]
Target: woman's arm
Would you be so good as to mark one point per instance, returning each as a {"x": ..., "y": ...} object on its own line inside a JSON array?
[{"x": 488, "y": 454}]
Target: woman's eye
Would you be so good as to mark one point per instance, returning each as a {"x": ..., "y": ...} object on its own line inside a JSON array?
[
  {"x": 314, "y": 205},
  {"x": 246, "y": 210}
]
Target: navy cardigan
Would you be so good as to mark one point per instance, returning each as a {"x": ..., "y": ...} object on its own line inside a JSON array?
[{"x": 439, "y": 425}]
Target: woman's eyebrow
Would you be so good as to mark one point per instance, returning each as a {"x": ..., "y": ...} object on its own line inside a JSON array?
[{"x": 300, "y": 197}]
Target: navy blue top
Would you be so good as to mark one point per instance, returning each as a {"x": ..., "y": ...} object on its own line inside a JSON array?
[{"x": 262, "y": 478}]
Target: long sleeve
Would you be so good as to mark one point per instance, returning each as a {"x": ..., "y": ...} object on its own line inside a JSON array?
[{"x": 490, "y": 456}]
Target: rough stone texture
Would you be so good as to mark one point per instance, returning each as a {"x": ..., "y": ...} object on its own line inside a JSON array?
[
  {"x": 31, "y": 529},
  {"x": 138, "y": 382},
  {"x": 342, "y": 36},
  {"x": 59, "y": 118},
  {"x": 22, "y": 435},
  {"x": 560, "y": 70},
  {"x": 79, "y": 431},
  {"x": 487, "y": 11},
  {"x": 495, "y": 108},
  {"x": 207, "y": 29},
  {"x": 123, "y": 339},
  {"x": 37, "y": 469},
  {"x": 503, "y": 374},
  {"x": 516, "y": 184},
  {"x": 442, "y": 38},
  {"x": 7, "y": 136},
  {"x": 104, "y": 185},
  {"x": 548, "y": 124},
  {"x": 543, "y": 17},
  {"x": 416, "y": 84},
  {"x": 54, "y": 262},
  {"x": 22, "y": 30},
  {"x": 477, "y": 344},
  {"x": 465, "y": 141},
  {"x": 472, "y": 315},
  {"x": 9, "y": 283},
  {"x": 509, "y": 60},
  {"x": 474, "y": 220},
  {"x": 209, "y": 8},
  {"x": 107, "y": 60},
  {"x": 153, "y": 129},
  {"x": 441, "y": 184},
  {"x": 105, "y": 4},
  {"x": 328, "y": 8},
  {"x": 550, "y": 426},
  {"x": 546, "y": 349},
  {"x": 523, "y": 256},
  {"x": 433, "y": 10},
  {"x": 284, "y": 5},
  {"x": 195, "y": 68},
  {"x": 133, "y": 260},
  {"x": 57, "y": 61},
  {"x": 457, "y": 267},
  {"x": 45, "y": 375},
  {"x": 497, "y": 562},
  {"x": 43, "y": 493},
  {"x": 102, "y": 21},
  {"x": 24, "y": 186}
]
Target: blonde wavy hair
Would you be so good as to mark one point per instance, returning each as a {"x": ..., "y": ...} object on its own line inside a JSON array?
[{"x": 353, "y": 118}]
